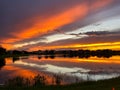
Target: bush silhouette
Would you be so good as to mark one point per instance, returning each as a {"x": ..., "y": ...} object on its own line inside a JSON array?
[{"x": 39, "y": 80}]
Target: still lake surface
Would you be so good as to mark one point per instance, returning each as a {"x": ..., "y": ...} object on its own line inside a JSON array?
[{"x": 70, "y": 69}]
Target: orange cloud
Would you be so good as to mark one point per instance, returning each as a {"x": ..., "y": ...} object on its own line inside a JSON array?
[{"x": 55, "y": 22}]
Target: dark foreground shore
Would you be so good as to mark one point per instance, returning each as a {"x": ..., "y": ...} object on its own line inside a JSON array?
[{"x": 111, "y": 84}]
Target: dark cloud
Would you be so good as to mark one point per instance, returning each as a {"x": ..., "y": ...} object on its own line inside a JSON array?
[{"x": 102, "y": 33}]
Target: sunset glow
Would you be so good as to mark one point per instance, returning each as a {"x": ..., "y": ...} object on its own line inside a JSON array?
[
  {"x": 78, "y": 25},
  {"x": 114, "y": 46}
]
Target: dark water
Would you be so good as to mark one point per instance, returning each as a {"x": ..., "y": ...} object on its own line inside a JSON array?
[{"x": 70, "y": 69}]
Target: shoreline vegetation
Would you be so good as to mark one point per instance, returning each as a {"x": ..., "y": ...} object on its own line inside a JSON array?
[
  {"x": 107, "y": 53},
  {"x": 38, "y": 83}
]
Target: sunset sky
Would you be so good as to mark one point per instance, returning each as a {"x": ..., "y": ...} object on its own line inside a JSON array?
[{"x": 60, "y": 24}]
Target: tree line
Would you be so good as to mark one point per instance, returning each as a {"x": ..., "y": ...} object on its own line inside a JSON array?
[{"x": 65, "y": 53}]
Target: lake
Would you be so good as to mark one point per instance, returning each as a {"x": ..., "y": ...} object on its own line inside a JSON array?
[{"x": 70, "y": 69}]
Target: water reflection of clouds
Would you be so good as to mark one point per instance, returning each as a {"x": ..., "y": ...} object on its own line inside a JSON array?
[
  {"x": 92, "y": 74},
  {"x": 92, "y": 63},
  {"x": 52, "y": 68},
  {"x": 58, "y": 69},
  {"x": 95, "y": 76},
  {"x": 80, "y": 72}
]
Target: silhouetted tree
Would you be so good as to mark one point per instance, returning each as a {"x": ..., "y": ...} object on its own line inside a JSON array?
[
  {"x": 2, "y": 62},
  {"x": 39, "y": 80},
  {"x": 2, "y": 50}
]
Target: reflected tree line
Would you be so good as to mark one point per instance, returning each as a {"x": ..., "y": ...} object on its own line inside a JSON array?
[{"x": 107, "y": 53}]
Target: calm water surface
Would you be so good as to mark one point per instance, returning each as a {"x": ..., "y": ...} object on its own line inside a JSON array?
[{"x": 70, "y": 69}]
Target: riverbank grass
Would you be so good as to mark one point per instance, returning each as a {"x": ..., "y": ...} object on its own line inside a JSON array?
[{"x": 111, "y": 84}]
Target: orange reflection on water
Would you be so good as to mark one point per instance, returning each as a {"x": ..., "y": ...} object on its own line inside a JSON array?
[
  {"x": 8, "y": 60},
  {"x": 114, "y": 59},
  {"x": 26, "y": 73},
  {"x": 17, "y": 71}
]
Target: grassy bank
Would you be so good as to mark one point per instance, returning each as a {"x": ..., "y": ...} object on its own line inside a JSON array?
[{"x": 91, "y": 85}]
